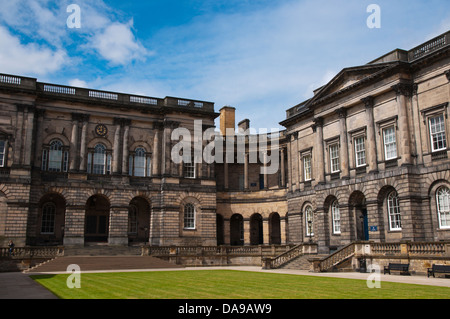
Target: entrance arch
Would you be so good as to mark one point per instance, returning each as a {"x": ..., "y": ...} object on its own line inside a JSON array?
[
  {"x": 357, "y": 205},
  {"x": 51, "y": 218},
  {"x": 274, "y": 229},
  {"x": 97, "y": 219},
  {"x": 138, "y": 220},
  {"x": 220, "y": 230},
  {"x": 237, "y": 230},
  {"x": 256, "y": 230}
]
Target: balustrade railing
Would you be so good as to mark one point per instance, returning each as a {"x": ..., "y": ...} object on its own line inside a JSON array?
[{"x": 33, "y": 252}]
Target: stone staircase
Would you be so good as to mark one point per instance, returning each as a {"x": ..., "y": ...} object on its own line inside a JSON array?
[
  {"x": 101, "y": 258},
  {"x": 299, "y": 263},
  {"x": 103, "y": 250}
]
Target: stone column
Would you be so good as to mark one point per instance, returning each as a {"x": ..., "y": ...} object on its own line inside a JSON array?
[
  {"x": 156, "y": 158},
  {"x": 74, "y": 143},
  {"x": 225, "y": 175},
  {"x": 342, "y": 113},
  {"x": 265, "y": 230},
  {"x": 319, "y": 152},
  {"x": 371, "y": 149},
  {"x": 74, "y": 225},
  {"x": 283, "y": 224},
  {"x": 403, "y": 90},
  {"x": 118, "y": 226},
  {"x": 39, "y": 138},
  {"x": 125, "y": 151},
  {"x": 83, "y": 147},
  {"x": 246, "y": 222},
  {"x": 266, "y": 176},
  {"x": 283, "y": 173},
  {"x": 116, "y": 147},
  {"x": 246, "y": 184},
  {"x": 29, "y": 128},
  {"x": 19, "y": 137}
]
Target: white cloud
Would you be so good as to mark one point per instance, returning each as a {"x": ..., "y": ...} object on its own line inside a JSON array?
[
  {"x": 19, "y": 58},
  {"x": 117, "y": 44},
  {"x": 78, "y": 83}
]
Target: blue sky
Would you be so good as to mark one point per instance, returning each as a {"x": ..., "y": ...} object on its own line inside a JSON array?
[{"x": 260, "y": 56}]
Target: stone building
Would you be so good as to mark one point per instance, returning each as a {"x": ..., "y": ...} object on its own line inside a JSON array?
[
  {"x": 369, "y": 153},
  {"x": 366, "y": 158},
  {"x": 80, "y": 165}
]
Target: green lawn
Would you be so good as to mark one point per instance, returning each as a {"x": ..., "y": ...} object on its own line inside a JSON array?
[{"x": 229, "y": 284}]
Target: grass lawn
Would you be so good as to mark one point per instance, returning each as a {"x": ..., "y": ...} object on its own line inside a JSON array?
[{"x": 229, "y": 284}]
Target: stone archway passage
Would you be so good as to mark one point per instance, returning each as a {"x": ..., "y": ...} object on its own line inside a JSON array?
[
  {"x": 97, "y": 219},
  {"x": 256, "y": 230}
]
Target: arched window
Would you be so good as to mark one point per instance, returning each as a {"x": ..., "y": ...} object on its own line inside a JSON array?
[
  {"x": 140, "y": 163},
  {"x": 336, "y": 217},
  {"x": 309, "y": 218},
  {"x": 394, "y": 211},
  {"x": 443, "y": 206},
  {"x": 55, "y": 157},
  {"x": 189, "y": 216},
  {"x": 99, "y": 160},
  {"x": 48, "y": 218}
]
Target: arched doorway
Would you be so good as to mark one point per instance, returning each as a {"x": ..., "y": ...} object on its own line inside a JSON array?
[
  {"x": 219, "y": 230},
  {"x": 256, "y": 230},
  {"x": 97, "y": 219},
  {"x": 236, "y": 230},
  {"x": 51, "y": 217},
  {"x": 275, "y": 229},
  {"x": 357, "y": 205},
  {"x": 138, "y": 220}
]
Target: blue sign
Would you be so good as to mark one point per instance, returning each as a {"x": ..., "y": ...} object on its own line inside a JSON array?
[{"x": 373, "y": 228}]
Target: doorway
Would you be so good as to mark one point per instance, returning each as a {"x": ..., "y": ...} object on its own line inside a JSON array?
[
  {"x": 97, "y": 219},
  {"x": 363, "y": 225}
]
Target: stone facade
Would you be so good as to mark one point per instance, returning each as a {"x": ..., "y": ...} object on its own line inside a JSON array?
[
  {"x": 82, "y": 165},
  {"x": 366, "y": 158}
]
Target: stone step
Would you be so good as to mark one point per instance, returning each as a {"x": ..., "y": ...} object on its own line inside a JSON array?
[
  {"x": 103, "y": 250},
  {"x": 102, "y": 263}
]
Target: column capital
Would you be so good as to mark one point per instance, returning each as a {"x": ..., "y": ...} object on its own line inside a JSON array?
[
  {"x": 341, "y": 112},
  {"x": 403, "y": 88},
  {"x": 318, "y": 122},
  {"x": 368, "y": 101},
  {"x": 447, "y": 74}
]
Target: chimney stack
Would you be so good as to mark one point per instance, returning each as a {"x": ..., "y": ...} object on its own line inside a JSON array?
[{"x": 227, "y": 119}]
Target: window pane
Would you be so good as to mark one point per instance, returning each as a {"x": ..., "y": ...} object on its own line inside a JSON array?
[
  {"x": 189, "y": 216},
  {"x": 139, "y": 162},
  {"x": 307, "y": 167},
  {"x": 390, "y": 145},
  {"x": 2, "y": 153},
  {"x": 309, "y": 218},
  {"x": 55, "y": 156},
  {"x": 334, "y": 158},
  {"x": 336, "y": 217},
  {"x": 437, "y": 130},
  {"x": 48, "y": 219},
  {"x": 394, "y": 212},
  {"x": 99, "y": 160},
  {"x": 443, "y": 206},
  {"x": 360, "y": 152},
  {"x": 189, "y": 169}
]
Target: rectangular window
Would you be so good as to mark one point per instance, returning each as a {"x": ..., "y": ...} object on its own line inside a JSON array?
[
  {"x": 2, "y": 153},
  {"x": 307, "y": 167},
  {"x": 437, "y": 133},
  {"x": 189, "y": 169},
  {"x": 54, "y": 160},
  {"x": 360, "y": 152},
  {"x": 390, "y": 144},
  {"x": 334, "y": 158}
]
